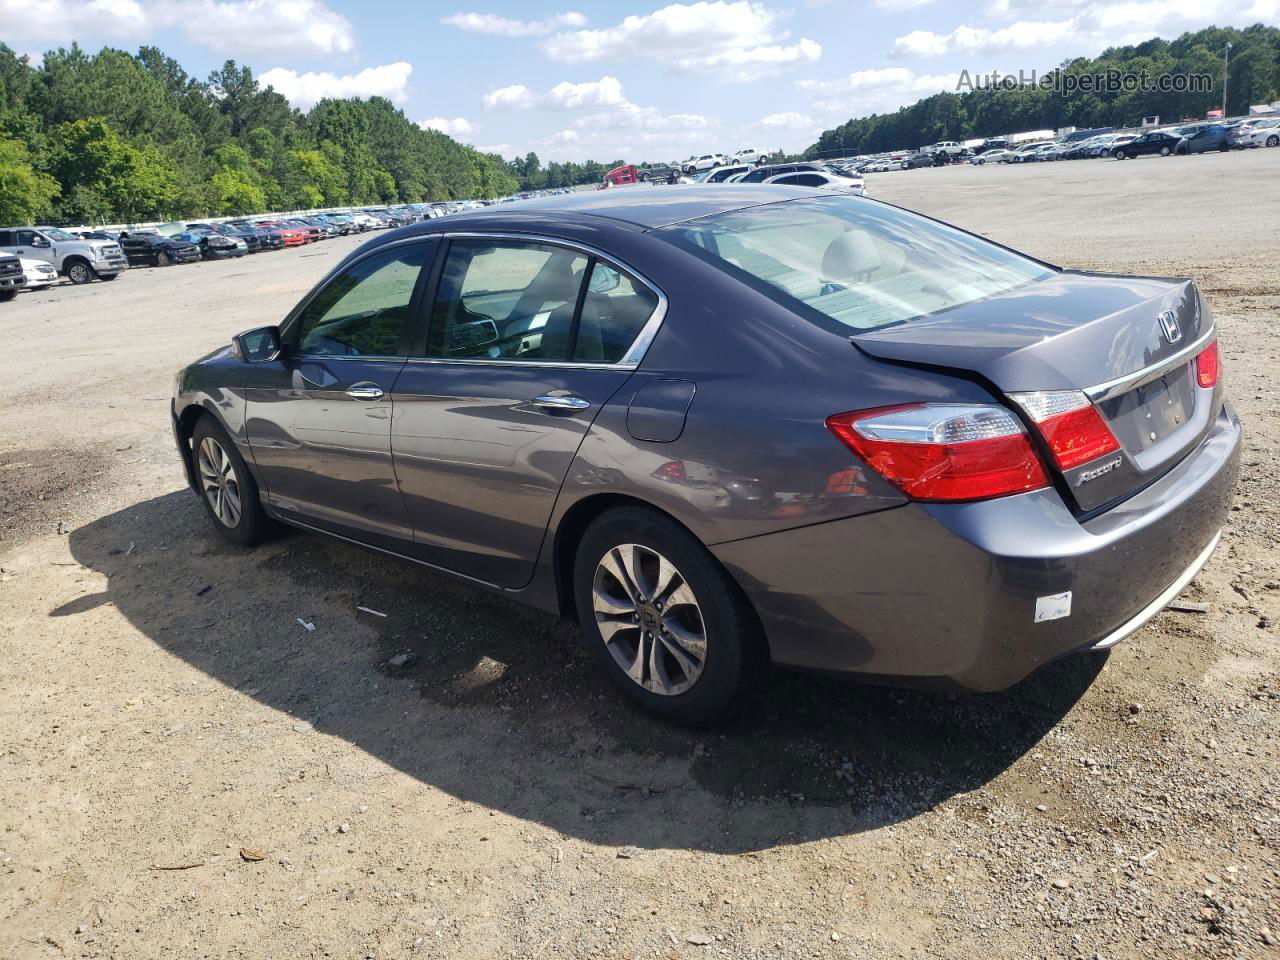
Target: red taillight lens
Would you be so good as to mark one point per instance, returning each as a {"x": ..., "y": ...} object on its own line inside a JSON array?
[
  {"x": 944, "y": 451},
  {"x": 1207, "y": 364},
  {"x": 1070, "y": 425}
]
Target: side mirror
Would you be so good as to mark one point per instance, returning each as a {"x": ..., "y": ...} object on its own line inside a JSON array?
[
  {"x": 39, "y": 241},
  {"x": 258, "y": 346}
]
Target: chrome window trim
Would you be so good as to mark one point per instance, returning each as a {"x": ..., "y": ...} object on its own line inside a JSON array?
[
  {"x": 1111, "y": 388},
  {"x": 639, "y": 346}
]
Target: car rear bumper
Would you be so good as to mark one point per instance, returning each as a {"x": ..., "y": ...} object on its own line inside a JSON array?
[{"x": 950, "y": 594}]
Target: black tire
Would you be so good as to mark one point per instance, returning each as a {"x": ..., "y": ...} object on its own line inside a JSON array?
[
  {"x": 734, "y": 643},
  {"x": 163, "y": 259},
  {"x": 1273, "y": 140},
  {"x": 8, "y": 294},
  {"x": 107, "y": 276},
  {"x": 78, "y": 271},
  {"x": 1120, "y": 155},
  {"x": 1164, "y": 151},
  {"x": 252, "y": 523},
  {"x": 643, "y": 177}
]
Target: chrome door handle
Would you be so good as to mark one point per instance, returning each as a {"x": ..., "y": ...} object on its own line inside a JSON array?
[
  {"x": 364, "y": 391},
  {"x": 560, "y": 404}
]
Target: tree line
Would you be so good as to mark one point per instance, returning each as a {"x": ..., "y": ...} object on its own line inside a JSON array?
[
  {"x": 991, "y": 111},
  {"x": 116, "y": 137}
]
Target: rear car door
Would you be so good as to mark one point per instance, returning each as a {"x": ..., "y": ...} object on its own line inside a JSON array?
[
  {"x": 319, "y": 417},
  {"x": 528, "y": 339}
]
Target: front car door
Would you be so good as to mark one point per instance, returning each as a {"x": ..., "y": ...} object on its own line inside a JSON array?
[
  {"x": 528, "y": 339},
  {"x": 319, "y": 417}
]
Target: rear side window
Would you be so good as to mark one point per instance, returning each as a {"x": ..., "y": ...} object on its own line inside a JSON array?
[
  {"x": 852, "y": 265},
  {"x": 614, "y": 311},
  {"x": 364, "y": 311},
  {"x": 506, "y": 300}
]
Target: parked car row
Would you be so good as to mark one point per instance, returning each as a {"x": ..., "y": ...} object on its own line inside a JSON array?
[
  {"x": 749, "y": 156},
  {"x": 35, "y": 257}
]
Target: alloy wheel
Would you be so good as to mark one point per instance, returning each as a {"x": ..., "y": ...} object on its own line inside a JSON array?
[
  {"x": 649, "y": 619},
  {"x": 219, "y": 481}
]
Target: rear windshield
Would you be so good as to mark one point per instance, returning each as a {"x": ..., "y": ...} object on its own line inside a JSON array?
[{"x": 851, "y": 264}]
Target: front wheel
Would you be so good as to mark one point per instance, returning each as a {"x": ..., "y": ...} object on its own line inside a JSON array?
[
  {"x": 227, "y": 488},
  {"x": 1120, "y": 155},
  {"x": 79, "y": 272},
  {"x": 1164, "y": 151},
  {"x": 1273, "y": 140},
  {"x": 162, "y": 259},
  {"x": 662, "y": 617},
  {"x": 8, "y": 294}
]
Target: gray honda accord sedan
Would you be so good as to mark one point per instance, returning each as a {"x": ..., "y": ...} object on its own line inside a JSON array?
[{"x": 730, "y": 426}]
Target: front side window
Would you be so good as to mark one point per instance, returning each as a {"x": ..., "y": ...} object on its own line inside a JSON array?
[
  {"x": 365, "y": 310},
  {"x": 506, "y": 300},
  {"x": 851, "y": 265}
]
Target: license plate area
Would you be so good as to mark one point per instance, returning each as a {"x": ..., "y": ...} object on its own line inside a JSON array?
[{"x": 1153, "y": 412}]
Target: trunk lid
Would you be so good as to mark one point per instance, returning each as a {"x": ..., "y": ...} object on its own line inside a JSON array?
[{"x": 1128, "y": 342}]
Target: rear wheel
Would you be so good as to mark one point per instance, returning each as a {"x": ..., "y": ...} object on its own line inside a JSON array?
[
  {"x": 79, "y": 272},
  {"x": 1164, "y": 151},
  {"x": 226, "y": 486},
  {"x": 162, "y": 259},
  {"x": 663, "y": 618},
  {"x": 1273, "y": 140},
  {"x": 1120, "y": 155}
]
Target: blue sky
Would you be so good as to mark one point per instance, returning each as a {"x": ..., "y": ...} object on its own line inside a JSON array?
[{"x": 639, "y": 81}]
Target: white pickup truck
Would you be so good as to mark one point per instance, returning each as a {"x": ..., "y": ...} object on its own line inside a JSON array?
[{"x": 80, "y": 261}]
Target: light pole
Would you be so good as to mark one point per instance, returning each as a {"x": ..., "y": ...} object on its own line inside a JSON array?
[{"x": 1226, "y": 66}]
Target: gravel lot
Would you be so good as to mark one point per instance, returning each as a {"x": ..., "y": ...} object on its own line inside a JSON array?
[{"x": 185, "y": 771}]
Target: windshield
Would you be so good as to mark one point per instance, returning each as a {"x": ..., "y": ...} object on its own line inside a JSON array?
[
  {"x": 53, "y": 233},
  {"x": 852, "y": 264}
]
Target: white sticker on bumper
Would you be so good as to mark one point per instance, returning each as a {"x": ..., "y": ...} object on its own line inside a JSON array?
[{"x": 1053, "y": 607}]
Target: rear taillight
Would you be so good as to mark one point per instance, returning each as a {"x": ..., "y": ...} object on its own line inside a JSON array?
[
  {"x": 1207, "y": 364},
  {"x": 942, "y": 451},
  {"x": 1070, "y": 425}
]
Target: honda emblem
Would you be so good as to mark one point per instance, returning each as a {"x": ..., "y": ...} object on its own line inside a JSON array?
[{"x": 1169, "y": 326}]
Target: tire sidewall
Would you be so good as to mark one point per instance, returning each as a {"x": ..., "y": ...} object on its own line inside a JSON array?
[
  {"x": 86, "y": 275},
  {"x": 252, "y": 519},
  {"x": 733, "y": 644}
]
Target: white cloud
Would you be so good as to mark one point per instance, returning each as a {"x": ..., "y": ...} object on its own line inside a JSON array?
[
  {"x": 607, "y": 91},
  {"x": 502, "y": 149},
  {"x": 29, "y": 23},
  {"x": 725, "y": 34},
  {"x": 875, "y": 91},
  {"x": 236, "y": 27},
  {"x": 305, "y": 90},
  {"x": 457, "y": 127},
  {"x": 502, "y": 26},
  {"x": 277, "y": 28},
  {"x": 897, "y": 6},
  {"x": 965, "y": 39},
  {"x": 786, "y": 120},
  {"x": 629, "y": 116},
  {"x": 597, "y": 93}
]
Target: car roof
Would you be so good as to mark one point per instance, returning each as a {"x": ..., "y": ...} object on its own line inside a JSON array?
[{"x": 639, "y": 206}]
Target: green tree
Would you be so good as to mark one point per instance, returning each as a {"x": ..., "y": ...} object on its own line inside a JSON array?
[
  {"x": 110, "y": 177},
  {"x": 26, "y": 195}
]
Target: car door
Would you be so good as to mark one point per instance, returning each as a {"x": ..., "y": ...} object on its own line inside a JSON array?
[
  {"x": 527, "y": 341},
  {"x": 30, "y": 244},
  {"x": 319, "y": 416}
]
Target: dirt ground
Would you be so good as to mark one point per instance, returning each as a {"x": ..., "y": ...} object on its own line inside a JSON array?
[{"x": 187, "y": 771}]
